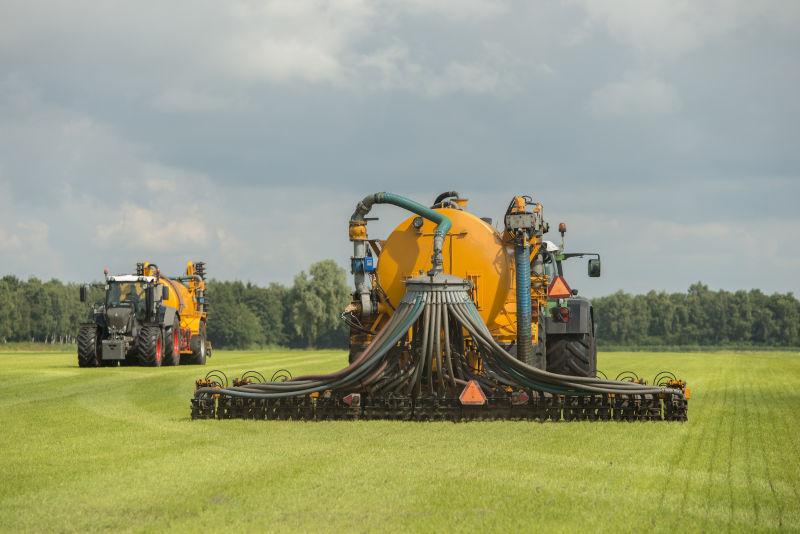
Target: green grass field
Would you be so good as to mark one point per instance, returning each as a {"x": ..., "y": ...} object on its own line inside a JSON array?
[{"x": 114, "y": 449}]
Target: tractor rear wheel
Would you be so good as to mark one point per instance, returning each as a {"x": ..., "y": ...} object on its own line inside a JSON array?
[
  {"x": 172, "y": 345},
  {"x": 572, "y": 354},
  {"x": 88, "y": 346},
  {"x": 150, "y": 346},
  {"x": 198, "y": 345}
]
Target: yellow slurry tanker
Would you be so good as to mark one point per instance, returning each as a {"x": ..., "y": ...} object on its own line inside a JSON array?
[
  {"x": 147, "y": 319},
  {"x": 452, "y": 319},
  {"x": 476, "y": 252}
]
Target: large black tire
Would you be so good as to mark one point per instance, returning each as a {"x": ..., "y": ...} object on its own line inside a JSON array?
[
  {"x": 89, "y": 346},
  {"x": 572, "y": 354},
  {"x": 150, "y": 346},
  {"x": 172, "y": 347},
  {"x": 198, "y": 345}
]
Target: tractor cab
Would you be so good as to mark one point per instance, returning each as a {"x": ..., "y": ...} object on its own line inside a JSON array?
[
  {"x": 129, "y": 302},
  {"x": 126, "y": 295}
]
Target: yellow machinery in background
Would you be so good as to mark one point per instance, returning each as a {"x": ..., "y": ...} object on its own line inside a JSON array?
[{"x": 149, "y": 319}]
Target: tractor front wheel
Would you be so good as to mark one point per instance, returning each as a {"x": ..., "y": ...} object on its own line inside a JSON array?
[
  {"x": 150, "y": 346},
  {"x": 88, "y": 346}
]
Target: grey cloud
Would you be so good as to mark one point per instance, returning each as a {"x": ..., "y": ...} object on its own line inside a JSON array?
[{"x": 665, "y": 132}]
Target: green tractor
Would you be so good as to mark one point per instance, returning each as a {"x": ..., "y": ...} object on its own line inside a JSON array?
[{"x": 570, "y": 327}]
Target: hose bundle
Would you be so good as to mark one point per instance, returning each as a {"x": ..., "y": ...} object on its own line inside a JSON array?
[{"x": 431, "y": 348}]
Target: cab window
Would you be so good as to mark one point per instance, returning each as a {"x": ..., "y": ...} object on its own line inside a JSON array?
[{"x": 131, "y": 293}]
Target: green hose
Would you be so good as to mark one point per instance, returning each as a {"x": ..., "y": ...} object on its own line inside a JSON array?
[{"x": 443, "y": 223}]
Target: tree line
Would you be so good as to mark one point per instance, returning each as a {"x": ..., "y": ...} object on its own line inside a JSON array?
[
  {"x": 699, "y": 317},
  {"x": 307, "y": 314}
]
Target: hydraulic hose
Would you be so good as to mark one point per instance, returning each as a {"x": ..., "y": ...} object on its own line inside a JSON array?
[
  {"x": 443, "y": 223},
  {"x": 430, "y": 313},
  {"x": 523, "y": 270},
  {"x": 397, "y": 329}
]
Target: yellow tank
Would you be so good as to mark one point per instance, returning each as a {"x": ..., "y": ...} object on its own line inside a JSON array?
[
  {"x": 449, "y": 239},
  {"x": 472, "y": 249},
  {"x": 187, "y": 297}
]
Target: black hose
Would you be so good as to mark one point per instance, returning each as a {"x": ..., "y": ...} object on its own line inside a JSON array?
[
  {"x": 431, "y": 314},
  {"x": 445, "y": 195},
  {"x": 447, "y": 353}
]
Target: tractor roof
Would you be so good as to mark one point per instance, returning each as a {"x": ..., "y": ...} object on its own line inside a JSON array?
[
  {"x": 551, "y": 247},
  {"x": 131, "y": 278}
]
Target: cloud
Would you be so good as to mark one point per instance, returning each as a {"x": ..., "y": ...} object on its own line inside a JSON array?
[
  {"x": 637, "y": 95},
  {"x": 240, "y": 46},
  {"x": 394, "y": 68},
  {"x": 140, "y": 229},
  {"x": 672, "y": 28},
  {"x": 181, "y": 101},
  {"x": 76, "y": 194},
  {"x": 454, "y": 9},
  {"x": 243, "y": 132},
  {"x": 656, "y": 253},
  {"x": 24, "y": 240},
  {"x": 24, "y": 237}
]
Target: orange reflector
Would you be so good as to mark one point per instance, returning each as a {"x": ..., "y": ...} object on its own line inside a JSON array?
[
  {"x": 688, "y": 393},
  {"x": 559, "y": 289},
  {"x": 472, "y": 395},
  {"x": 353, "y": 400}
]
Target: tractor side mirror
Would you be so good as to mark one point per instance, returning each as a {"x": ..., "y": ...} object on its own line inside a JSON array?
[
  {"x": 83, "y": 292},
  {"x": 594, "y": 267},
  {"x": 164, "y": 292}
]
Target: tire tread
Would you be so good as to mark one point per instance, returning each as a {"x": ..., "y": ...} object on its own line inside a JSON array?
[
  {"x": 572, "y": 354},
  {"x": 87, "y": 346}
]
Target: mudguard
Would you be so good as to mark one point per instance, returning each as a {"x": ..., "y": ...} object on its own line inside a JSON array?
[{"x": 166, "y": 315}]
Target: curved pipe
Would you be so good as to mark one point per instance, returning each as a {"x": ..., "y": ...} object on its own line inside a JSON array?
[
  {"x": 446, "y": 194},
  {"x": 443, "y": 223}
]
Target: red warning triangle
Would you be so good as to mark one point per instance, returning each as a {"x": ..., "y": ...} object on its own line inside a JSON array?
[
  {"x": 472, "y": 394},
  {"x": 559, "y": 289}
]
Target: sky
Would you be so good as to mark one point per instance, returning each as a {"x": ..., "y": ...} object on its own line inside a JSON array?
[{"x": 665, "y": 133}]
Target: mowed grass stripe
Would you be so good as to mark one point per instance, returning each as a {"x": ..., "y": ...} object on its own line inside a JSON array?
[
  {"x": 770, "y": 455},
  {"x": 103, "y": 449}
]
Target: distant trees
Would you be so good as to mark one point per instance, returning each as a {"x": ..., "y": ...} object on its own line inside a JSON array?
[
  {"x": 314, "y": 305},
  {"x": 304, "y": 315},
  {"x": 698, "y": 317},
  {"x": 242, "y": 315},
  {"x": 307, "y": 314},
  {"x": 38, "y": 311}
]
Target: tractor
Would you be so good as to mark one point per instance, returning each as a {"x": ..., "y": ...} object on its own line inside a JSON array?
[{"x": 147, "y": 319}]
